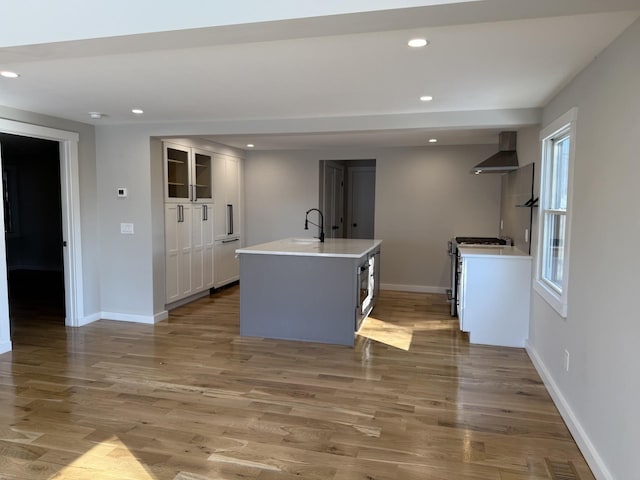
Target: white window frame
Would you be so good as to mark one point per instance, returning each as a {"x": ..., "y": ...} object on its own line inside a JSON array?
[{"x": 565, "y": 126}]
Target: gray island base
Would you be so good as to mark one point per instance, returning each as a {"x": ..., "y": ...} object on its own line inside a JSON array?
[{"x": 301, "y": 289}]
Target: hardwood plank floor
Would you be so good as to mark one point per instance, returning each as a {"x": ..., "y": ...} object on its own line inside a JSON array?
[{"x": 189, "y": 399}]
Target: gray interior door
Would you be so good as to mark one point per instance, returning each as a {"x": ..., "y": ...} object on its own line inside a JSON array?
[{"x": 361, "y": 207}]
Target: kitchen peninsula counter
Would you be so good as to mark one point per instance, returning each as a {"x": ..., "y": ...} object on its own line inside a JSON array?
[{"x": 303, "y": 289}]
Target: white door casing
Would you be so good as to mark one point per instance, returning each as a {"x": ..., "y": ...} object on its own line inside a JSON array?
[
  {"x": 333, "y": 201},
  {"x": 71, "y": 229}
]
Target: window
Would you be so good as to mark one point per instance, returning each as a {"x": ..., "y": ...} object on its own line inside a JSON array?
[{"x": 558, "y": 148}]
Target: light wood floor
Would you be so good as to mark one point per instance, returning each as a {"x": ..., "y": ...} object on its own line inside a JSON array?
[{"x": 189, "y": 399}]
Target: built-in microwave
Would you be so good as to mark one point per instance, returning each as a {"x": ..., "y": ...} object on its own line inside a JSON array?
[{"x": 366, "y": 287}]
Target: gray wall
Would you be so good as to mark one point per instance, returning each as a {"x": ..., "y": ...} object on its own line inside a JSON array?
[
  {"x": 599, "y": 395},
  {"x": 126, "y": 261},
  {"x": 424, "y": 196},
  {"x": 88, "y": 197}
]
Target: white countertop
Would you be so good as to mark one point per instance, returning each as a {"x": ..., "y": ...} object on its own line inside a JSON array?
[
  {"x": 332, "y": 247},
  {"x": 492, "y": 251}
]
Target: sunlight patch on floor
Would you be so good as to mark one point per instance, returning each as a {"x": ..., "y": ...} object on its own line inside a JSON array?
[
  {"x": 387, "y": 333},
  {"x": 108, "y": 460},
  {"x": 433, "y": 326}
]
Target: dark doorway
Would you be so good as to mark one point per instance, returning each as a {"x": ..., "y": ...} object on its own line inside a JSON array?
[{"x": 33, "y": 228}]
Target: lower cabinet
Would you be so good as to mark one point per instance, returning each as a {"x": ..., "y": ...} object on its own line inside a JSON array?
[
  {"x": 189, "y": 249},
  {"x": 227, "y": 264},
  {"x": 202, "y": 248},
  {"x": 494, "y": 295}
]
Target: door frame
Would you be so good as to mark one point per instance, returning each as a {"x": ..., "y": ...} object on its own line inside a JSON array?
[
  {"x": 326, "y": 197},
  {"x": 71, "y": 228}
]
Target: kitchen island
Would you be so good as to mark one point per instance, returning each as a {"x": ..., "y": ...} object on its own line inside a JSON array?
[{"x": 304, "y": 289}]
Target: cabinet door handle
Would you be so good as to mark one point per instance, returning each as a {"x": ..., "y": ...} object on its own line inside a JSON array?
[
  {"x": 229, "y": 219},
  {"x": 180, "y": 214},
  {"x": 205, "y": 213},
  {"x": 231, "y": 241},
  {"x": 195, "y": 193}
]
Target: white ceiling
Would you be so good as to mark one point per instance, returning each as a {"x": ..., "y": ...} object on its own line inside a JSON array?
[{"x": 341, "y": 80}]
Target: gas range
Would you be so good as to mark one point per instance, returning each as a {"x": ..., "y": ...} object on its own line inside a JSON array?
[
  {"x": 454, "y": 243},
  {"x": 481, "y": 241}
]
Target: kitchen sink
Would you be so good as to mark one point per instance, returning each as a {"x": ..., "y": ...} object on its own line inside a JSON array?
[{"x": 304, "y": 241}]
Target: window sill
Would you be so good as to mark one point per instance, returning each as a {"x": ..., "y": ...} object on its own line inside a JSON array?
[{"x": 557, "y": 302}]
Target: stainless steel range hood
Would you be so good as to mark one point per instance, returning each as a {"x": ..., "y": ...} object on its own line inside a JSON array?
[{"x": 506, "y": 160}]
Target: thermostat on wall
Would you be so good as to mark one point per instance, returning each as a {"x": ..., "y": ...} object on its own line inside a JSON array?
[{"x": 122, "y": 192}]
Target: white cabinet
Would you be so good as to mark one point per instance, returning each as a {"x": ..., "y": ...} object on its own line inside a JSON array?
[
  {"x": 226, "y": 175},
  {"x": 227, "y": 265},
  {"x": 177, "y": 220},
  {"x": 189, "y": 249},
  {"x": 202, "y": 220},
  {"x": 188, "y": 174},
  {"x": 202, "y": 247},
  {"x": 494, "y": 296},
  {"x": 227, "y": 225}
]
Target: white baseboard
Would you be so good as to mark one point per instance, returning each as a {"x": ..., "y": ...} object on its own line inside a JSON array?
[
  {"x": 184, "y": 301},
  {"x": 127, "y": 317},
  {"x": 591, "y": 455},
  {"x": 412, "y": 288},
  {"x": 124, "y": 317},
  {"x": 89, "y": 319},
  {"x": 5, "y": 347}
]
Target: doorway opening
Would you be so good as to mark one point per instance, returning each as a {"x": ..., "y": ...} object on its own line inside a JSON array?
[
  {"x": 33, "y": 229},
  {"x": 347, "y": 197},
  {"x": 70, "y": 210}
]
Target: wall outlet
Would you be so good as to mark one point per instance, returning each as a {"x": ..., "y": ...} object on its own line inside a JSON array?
[
  {"x": 566, "y": 360},
  {"x": 126, "y": 228},
  {"x": 501, "y": 224}
]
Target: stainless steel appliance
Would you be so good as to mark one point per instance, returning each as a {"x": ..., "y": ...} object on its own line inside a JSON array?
[
  {"x": 453, "y": 245},
  {"x": 367, "y": 288}
]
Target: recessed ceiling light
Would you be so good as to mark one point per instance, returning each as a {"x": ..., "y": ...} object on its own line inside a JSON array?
[
  {"x": 137, "y": 111},
  {"x": 8, "y": 74},
  {"x": 250, "y": 145},
  {"x": 96, "y": 115},
  {"x": 418, "y": 42},
  {"x": 426, "y": 98},
  {"x": 433, "y": 140}
]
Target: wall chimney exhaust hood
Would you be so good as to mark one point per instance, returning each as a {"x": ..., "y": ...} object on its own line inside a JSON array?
[{"x": 506, "y": 160}]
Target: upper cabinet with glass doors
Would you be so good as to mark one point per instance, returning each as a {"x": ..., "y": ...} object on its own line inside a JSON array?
[{"x": 187, "y": 174}]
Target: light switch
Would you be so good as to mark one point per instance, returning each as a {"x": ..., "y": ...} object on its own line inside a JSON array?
[
  {"x": 126, "y": 228},
  {"x": 122, "y": 192}
]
